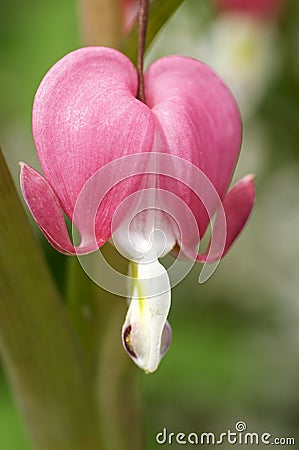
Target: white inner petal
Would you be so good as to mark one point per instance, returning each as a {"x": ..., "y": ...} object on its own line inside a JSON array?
[
  {"x": 149, "y": 236},
  {"x": 147, "y": 313}
]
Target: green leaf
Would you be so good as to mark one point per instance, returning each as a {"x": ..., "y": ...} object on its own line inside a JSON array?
[
  {"x": 42, "y": 356},
  {"x": 160, "y": 12}
]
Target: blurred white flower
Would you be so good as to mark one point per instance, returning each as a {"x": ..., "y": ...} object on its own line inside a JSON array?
[{"x": 244, "y": 51}]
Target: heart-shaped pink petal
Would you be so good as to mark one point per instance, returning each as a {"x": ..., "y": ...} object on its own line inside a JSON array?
[
  {"x": 198, "y": 120},
  {"x": 85, "y": 115}
]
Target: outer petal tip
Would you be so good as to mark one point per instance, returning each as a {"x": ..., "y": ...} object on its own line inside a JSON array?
[
  {"x": 250, "y": 176},
  {"x": 248, "y": 180},
  {"x": 242, "y": 194},
  {"x": 45, "y": 208},
  {"x": 238, "y": 204},
  {"x": 237, "y": 207}
]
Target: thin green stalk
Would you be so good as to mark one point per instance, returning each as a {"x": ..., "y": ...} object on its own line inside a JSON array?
[
  {"x": 117, "y": 378},
  {"x": 160, "y": 12}
]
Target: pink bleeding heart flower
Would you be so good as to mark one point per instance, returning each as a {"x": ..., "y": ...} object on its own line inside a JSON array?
[
  {"x": 265, "y": 9},
  {"x": 87, "y": 120}
]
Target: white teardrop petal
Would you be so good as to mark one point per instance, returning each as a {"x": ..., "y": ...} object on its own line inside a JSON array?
[{"x": 146, "y": 332}]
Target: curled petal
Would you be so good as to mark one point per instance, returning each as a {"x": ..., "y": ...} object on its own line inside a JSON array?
[
  {"x": 237, "y": 206},
  {"x": 46, "y": 210}
]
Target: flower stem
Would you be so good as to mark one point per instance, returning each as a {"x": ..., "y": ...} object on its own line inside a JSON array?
[{"x": 143, "y": 20}]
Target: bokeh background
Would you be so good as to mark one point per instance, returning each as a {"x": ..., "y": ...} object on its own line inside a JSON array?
[{"x": 235, "y": 350}]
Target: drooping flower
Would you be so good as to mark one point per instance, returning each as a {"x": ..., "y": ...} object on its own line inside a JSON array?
[
  {"x": 243, "y": 50},
  {"x": 99, "y": 147},
  {"x": 264, "y": 9}
]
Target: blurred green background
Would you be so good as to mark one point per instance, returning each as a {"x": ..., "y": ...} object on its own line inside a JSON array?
[{"x": 235, "y": 350}]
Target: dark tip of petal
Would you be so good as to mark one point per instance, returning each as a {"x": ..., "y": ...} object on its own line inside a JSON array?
[
  {"x": 127, "y": 340},
  {"x": 165, "y": 339}
]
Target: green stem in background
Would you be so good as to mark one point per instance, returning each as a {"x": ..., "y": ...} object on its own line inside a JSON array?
[
  {"x": 143, "y": 20},
  {"x": 100, "y": 22},
  {"x": 117, "y": 379},
  {"x": 81, "y": 297},
  {"x": 113, "y": 373},
  {"x": 43, "y": 358}
]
